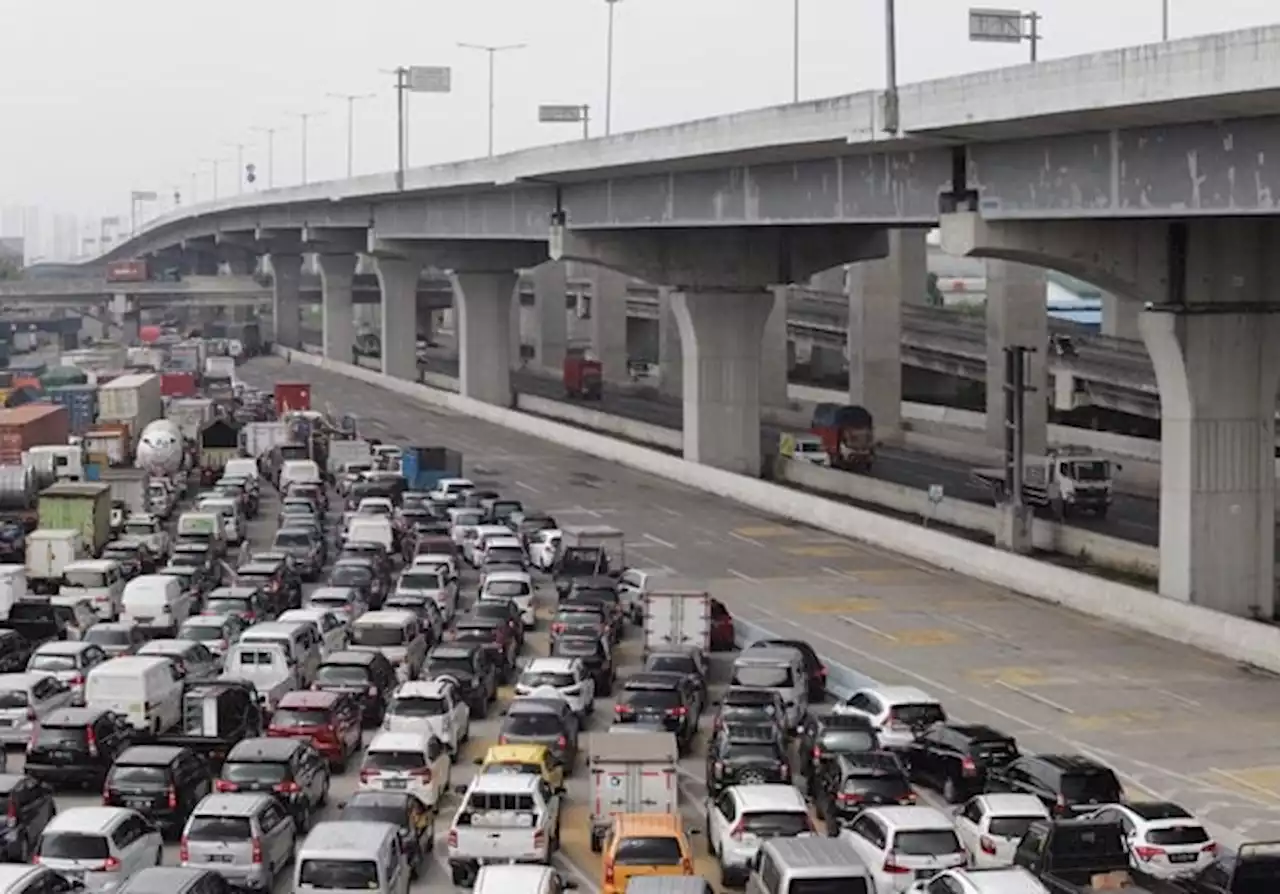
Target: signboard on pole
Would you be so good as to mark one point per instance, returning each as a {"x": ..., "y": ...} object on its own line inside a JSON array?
[
  {"x": 110, "y": 221},
  {"x": 996, "y": 25},
  {"x": 561, "y": 114},
  {"x": 143, "y": 195},
  {"x": 430, "y": 79}
]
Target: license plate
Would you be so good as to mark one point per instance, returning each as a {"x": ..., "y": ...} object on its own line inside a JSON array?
[
  {"x": 397, "y": 783},
  {"x": 138, "y": 803},
  {"x": 5, "y": 721},
  {"x": 1182, "y": 858},
  {"x": 218, "y": 858}
]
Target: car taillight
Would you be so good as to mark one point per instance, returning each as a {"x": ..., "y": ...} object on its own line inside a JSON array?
[
  {"x": 822, "y": 671},
  {"x": 11, "y": 817},
  {"x": 1210, "y": 848},
  {"x": 849, "y": 798},
  {"x": 1060, "y": 805},
  {"x": 686, "y": 866},
  {"x": 987, "y": 844},
  {"x": 184, "y": 852},
  {"x": 623, "y": 709},
  {"x": 539, "y": 838},
  {"x": 718, "y": 768},
  {"x": 366, "y": 774},
  {"x": 423, "y": 773},
  {"x": 1145, "y": 852},
  {"x": 558, "y": 628},
  {"x": 678, "y": 712},
  {"x": 817, "y": 753},
  {"x": 251, "y": 616},
  {"x": 502, "y": 740},
  {"x": 77, "y": 680},
  {"x": 785, "y": 769},
  {"x": 287, "y": 788},
  {"x": 111, "y": 864},
  {"x": 31, "y": 713},
  {"x": 223, "y": 785},
  {"x": 968, "y": 767},
  {"x": 608, "y": 872},
  {"x": 255, "y": 855},
  {"x": 562, "y": 742},
  {"x": 893, "y": 868},
  {"x": 173, "y": 798}
]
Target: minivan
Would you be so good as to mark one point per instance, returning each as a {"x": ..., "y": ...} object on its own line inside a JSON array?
[
  {"x": 397, "y": 634},
  {"x": 146, "y": 691},
  {"x": 298, "y": 471},
  {"x": 299, "y": 640},
  {"x": 103, "y": 846},
  {"x": 101, "y": 581},
  {"x": 234, "y": 526},
  {"x": 780, "y": 669},
  {"x": 339, "y": 857},
  {"x": 157, "y": 603},
  {"x": 246, "y": 837}
]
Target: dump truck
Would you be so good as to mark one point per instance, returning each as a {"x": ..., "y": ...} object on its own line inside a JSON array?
[
  {"x": 848, "y": 435},
  {"x": 583, "y": 378},
  {"x": 1066, "y": 482}
]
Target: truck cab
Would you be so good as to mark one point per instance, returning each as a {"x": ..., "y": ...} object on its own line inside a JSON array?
[
  {"x": 1076, "y": 856},
  {"x": 68, "y": 460}
]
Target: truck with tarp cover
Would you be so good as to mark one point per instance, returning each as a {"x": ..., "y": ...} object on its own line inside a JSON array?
[{"x": 848, "y": 435}]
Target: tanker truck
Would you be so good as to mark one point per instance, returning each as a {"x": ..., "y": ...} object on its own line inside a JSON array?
[{"x": 161, "y": 449}]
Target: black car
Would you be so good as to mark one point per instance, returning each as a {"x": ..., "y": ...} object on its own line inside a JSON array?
[
  {"x": 1067, "y": 784},
  {"x": 358, "y": 574},
  {"x": 746, "y": 754},
  {"x": 249, "y": 603},
  {"x": 954, "y": 758},
  {"x": 823, "y": 737},
  {"x": 543, "y": 721},
  {"x": 688, "y": 662},
  {"x": 368, "y": 675},
  {"x": 580, "y": 617},
  {"x": 594, "y": 653},
  {"x": 469, "y": 664},
  {"x": 306, "y": 547},
  {"x": 77, "y": 746},
  {"x": 492, "y": 635},
  {"x": 291, "y": 769},
  {"x": 404, "y": 811},
  {"x": 504, "y": 610},
  {"x": 663, "y": 700},
  {"x": 849, "y": 783},
  {"x": 162, "y": 782},
  {"x": 746, "y": 704},
  {"x": 29, "y": 805},
  {"x": 814, "y": 668},
  {"x": 270, "y": 579},
  {"x": 601, "y": 591},
  {"x": 15, "y": 651},
  {"x": 175, "y": 880}
]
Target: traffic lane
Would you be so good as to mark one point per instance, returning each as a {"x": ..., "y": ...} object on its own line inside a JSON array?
[{"x": 1175, "y": 723}]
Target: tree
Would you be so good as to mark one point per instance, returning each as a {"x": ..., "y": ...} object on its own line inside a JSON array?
[
  {"x": 933, "y": 295},
  {"x": 10, "y": 269}
]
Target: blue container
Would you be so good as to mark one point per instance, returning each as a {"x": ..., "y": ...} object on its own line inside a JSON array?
[
  {"x": 81, "y": 402},
  {"x": 92, "y": 472}
]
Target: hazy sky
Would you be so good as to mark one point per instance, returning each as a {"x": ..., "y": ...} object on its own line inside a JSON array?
[{"x": 98, "y": 98}]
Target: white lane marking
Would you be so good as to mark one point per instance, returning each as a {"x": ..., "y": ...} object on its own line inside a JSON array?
[
  {"x": 740, "y": 576},
  {"x": 834, "y": 572},
  {"x": 669, "y": 511},
  {"x": 863, "y": 625},
  {"x": 1035, "y": 697},
  {"x": 736, "y": 536},
  {"x": 658, "y": 540},
  {"x": 1189, "y": 702},
  {"x": 529, "y": 487}
]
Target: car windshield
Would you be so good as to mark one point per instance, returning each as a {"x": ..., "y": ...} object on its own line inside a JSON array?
[
  {"x": 139, "y": 529},
  {"x": 292, "y": 538},
  {"x": 350, "y": 575},
  {"x": 107, "y": 636},
  {"x": 342, "y": 674},
  {"x": 679, "y": 664},
  {"x": 450, "y": 664},
  {"x": 1100, "y": 788},
  {"x": 502, "y": 555},
  {"x": 377, "y": 635},
  {"x": 558, "y": 680},
  {"x": 343, "y": 875},
  {"x": 374, "y": 813},
  {"x": 202, "y": 633},
  {"x": 663, "y": 851},
  {"x": 72, "y": 738},
  {"x": 575, "y": 647},
  {"x": 506, "y": 588},
  {"x": 777, "y": 824},
  {"x": 227, "y": 606},
  {"x": 925, "y": 714},
  {"x": 753, "y": 751},
  {"x": 419, "y": 706},
  {"x": 532, "y": 723},
  {"x": 926, "y": 843},
  {"x": 292, "y": 717},
  {"x": 73, "y": 846},
  {"x": 886, "y": 785},
  {"x": 847, "y": 741},
  {"x": 52, "y": 662},
  {"x": 330, "y": 602},
  {"x": 1011, "y": 826},
  {"x": 651, "y": 699},
  {"x": 86, "y": 579},
  {"x": 145, "y": 777},
  {"x": 219, "y": 828},
  {"x": 420, "y": 580},
  {"x": 13, "y": 698},
  {"x": 395, "y": 760},
  {"x": 254, "y": 772}
]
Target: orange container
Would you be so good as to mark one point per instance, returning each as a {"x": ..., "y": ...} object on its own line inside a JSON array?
[{"x": 33, "y": 425}]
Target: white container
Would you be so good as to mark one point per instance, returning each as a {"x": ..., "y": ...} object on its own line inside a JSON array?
[
  {"x": 220, "y": 368},
  {"x": 190, "y": 414},
  {"x": 677, "y": 619},
  {"x": 134, "y": 399},
  {"x": 50, "y": 551},
  {"x": 258, "y": 438},
  {"x": 13, "y": 586},
  {"x": 630, "y": 773}
]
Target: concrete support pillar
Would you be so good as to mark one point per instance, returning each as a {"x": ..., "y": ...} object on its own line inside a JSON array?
[
  {"x": 1017, "y": 315},
  {"x": 773, "y": 356},
  {"x": 286, "y": 273},
  {"x": 670, "y": 357},
  {"x": 513, "y": 333},
  {"x": 609, "y": 322},
  {"x": 551, "y": 335},
  {"x": 426, "y": 314},
  {"x": 826, "y": 362},
  {"x": 338, "y": 319},
  {"x": 1120, "y": 317},
  {"x": 484, "y": 304},
  {"x": 398, "y": 278},
  {"x": 722, "y": 335}
]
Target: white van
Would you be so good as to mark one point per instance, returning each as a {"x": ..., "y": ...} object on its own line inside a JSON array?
[
  {"x": 228, "y": 510},
  {"x": 778, "y": 668},
  {"x": 267, "y": 666},
  {"x": 101, "y": 581},
  {"x": 241, "y": 468},
  {"x": 144, "y": 689},
  {"x": 299, "y": 471},
  {"x": 370, "y": 529},
  {"x": 157, "y": 603},
  {"x": 299, "y": 639},
  {"x": 339, "y": 857},
  {"x": 203, "y": 527}
]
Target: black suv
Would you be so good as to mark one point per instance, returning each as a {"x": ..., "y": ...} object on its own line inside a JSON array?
[
  {"x": 1068, "y": 784},
  {"x": 746, "y": 754},
  {"x": 595, "y": 655},
  {"x": 77, "y": 746},
  {"x": 469, "y": 664},
  {"x": 162, "y": 782},
  {"x": 743, "y": 704},
  {"x": 823, "y": 737},
  {"x": 367, "y": 675},
  {"x": 359, "y": 574},
  {"x": 848, "y": 784},
  {"x": 668, "y": 701},
  {"x": 15, "y": 652},
  {"x": 29, "y": 805},
  {"x": 270, "y": 579},
  {"x": 688, "y": 662},
  {"x": 955, "y": 758},
  {"x": 290, "y": 769}
]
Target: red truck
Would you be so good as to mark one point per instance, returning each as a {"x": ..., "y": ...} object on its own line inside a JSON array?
[
  {"x": 292, "y": 396},
  {"x": 127, "y": 271},
  {"x": 582, "y": 377},
  {"x": 848, "y": 435},
  {"x": 179, "y": 384}
]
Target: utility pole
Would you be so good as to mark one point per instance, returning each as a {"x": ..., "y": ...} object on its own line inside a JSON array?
[
  {"x": 239, "y": 147},
  {"x": 890, "y": 110},
  {"x": 271, "y": 153},
  {"x": 493, "y": 51},
  {"x": 305, "y": 118},
  {"x": 795, "y": 51},
  {"x": 1164, "y": 20},
  {"x": 351, "y": 99},
  {"x": 608, "y": 73}
]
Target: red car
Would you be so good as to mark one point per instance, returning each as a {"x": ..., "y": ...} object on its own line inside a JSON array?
[
  {"x": 329, "y": 720},
  {"x": 722, "y": 633}
]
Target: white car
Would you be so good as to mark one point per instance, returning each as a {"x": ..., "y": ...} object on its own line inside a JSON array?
[
  {"x": 896, "y": 843},
  {"x": 414, "y": 762},
  {"x": 990, "y": 826},
  {"x": 70, "y": 662},
  {"x": 741, "y": 817},
  {"x": 438, "y": 560},
  {"x": 345, "y": 602},
  {"x": 463, "y": 520},
  {"x": 430, "y": 706},
  {"x": 1164, "y": 840},
  {"x": 430, "y": 582},
  {"x": 334, "y": 635},
  {"x": 518, "y": 587},
  {"x": 566, "y": 678},
  {"x": 450, "y": 490},
  {"x": 100, "y": 846},
  {"x": 473, "y": 549},
  {"x": 544, "y": 546},
  {"x": 897, "y": 713},
  {"x": 25, "y": 700},
  {"x": 1013, "y": 880}
]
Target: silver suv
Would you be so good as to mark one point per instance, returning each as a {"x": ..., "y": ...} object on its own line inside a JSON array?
[{"x": 246, "y": 838}]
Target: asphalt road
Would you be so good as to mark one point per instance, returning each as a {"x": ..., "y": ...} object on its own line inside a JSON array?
[{"x": 1175, "y": 723}]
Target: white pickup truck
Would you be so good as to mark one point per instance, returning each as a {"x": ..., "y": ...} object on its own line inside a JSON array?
[
  {"x": 267, "y": 667},
  {"x": 503, "y": 818}
]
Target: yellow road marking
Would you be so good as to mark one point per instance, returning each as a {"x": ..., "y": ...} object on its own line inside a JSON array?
[
  {"x": 847, "y": 605},
  {"x": 1258, "y": 782},
  {"x": 759, "y": 531},
  {"x": 1013, "y": 675},
  {"x": 902, "y": 576},
  {"x": 925, "y": 637},
  {"x": 821, "y": 552},
  {"x": 1114, "y": 720}
]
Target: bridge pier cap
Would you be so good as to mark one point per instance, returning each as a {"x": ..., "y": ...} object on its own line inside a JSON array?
[
  {"x": 691, "y": 259},
  {"x": 462, "y": 255}
]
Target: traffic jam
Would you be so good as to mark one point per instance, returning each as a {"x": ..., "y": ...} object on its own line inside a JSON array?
[{"x": 316, "y": 661}]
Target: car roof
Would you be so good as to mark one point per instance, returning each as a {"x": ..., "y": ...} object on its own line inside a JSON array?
[
  {"x": 232, "y": 803},
  {"x": 350, "y": 657},
  {"x": 913, "y": 817},
  {"x": 1013, "y": 804},
  {"x": 149, "y": 755},
  {"x": 552, "y": 665},
  {"x": 388, "y": 617},
  {"x": 309, "y": 698},
  {"x": 655, "y": 680},
  {"x": 506, "y": 783},
  {"x": 62, "y": 647},
  {"x": 258, "y": 565},
  {"x": 262, "y": 749},
  {"x": 903, "y": 695},
  {"x": 770, "y": 797},
  {"x": 63, "y": 717},
  {"x": 87, "y": 819},
  {"x": 1155, "y": 811},
  {"x": 93, "y": 564},
  {"x": 423, "y": 688},
  {"x": 342, "y": 837},
  {"x": 206, "y": 620},
  {"x": 389, "y": 741}
]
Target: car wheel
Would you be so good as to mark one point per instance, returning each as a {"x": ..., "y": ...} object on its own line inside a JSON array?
[
  {"x": 159, "y": 856},
  {"x": 460, "y": 877}
]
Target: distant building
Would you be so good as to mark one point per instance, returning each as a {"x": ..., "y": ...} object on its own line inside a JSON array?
[{"x": 12, "y": 251}]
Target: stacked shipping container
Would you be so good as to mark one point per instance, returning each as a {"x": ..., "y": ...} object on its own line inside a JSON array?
[
  {"x": 81, "y": 403},
  {"x": 30, "y": 426}
]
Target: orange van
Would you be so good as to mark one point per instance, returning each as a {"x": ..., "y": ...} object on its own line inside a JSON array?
[{"x": 644, "y": 844}]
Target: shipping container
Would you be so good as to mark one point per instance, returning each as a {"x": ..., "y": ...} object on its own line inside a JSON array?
[
  {"x": 127, "y": 271},
  {"x": 292, "y": 397},
  {"x": 134, "y": 398},
  {"x": 190, "y": 415},
  {"x": 23, "y": 427},
  {"x": 28, "y": 366},
  {"x": 83, "y": 507},
  {"x": 109, "y": 444},
  {"x": 178, "y": 384},
  {"x": 81, "y": 404}
]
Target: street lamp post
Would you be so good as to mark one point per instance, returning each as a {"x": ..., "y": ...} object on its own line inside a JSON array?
[
  {"x": 351, "y": 99},
  {"x": 136, "y": 198},
  {"x": 608, "y": 73},
  {"x": 215, "y": 163},
  {"x": 271, "y": 153},
  {"x": 239, "y": 147},
  {"x": 492, "y": 51},
  {"x": 1164, "y": 20},
  {"x": 414, "y": 79},
  {"x": 795, "y": 50},
  {"x": 305, "y": 117}
]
